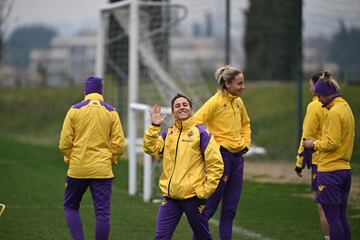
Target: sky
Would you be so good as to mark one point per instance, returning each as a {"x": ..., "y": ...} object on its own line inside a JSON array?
[{"x": 70, "y": 16}]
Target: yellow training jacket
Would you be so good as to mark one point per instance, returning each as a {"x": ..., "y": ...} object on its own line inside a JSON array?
[
  {"x": 337, "y": 139},
  {"x": 91, "y": 138},
  {"x": 312, "y": 128},
  {"x": 186, "y": 173},
  {"x": 227, "y": 119}
]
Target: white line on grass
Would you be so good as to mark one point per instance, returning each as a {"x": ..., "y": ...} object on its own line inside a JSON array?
[{"x": 242, "y": 231}]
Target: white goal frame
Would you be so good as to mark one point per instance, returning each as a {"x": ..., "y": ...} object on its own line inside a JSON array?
[
  {"x": 137, "y": 142},
  {"x": 133, "y": 79}
]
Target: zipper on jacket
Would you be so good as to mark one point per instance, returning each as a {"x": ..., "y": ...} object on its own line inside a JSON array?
[{"x": 172, "y": 174}]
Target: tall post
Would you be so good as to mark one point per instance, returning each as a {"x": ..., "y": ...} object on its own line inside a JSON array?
[
  {"x": 299, "y": 73},
  {"x": 227, "y": 33},
  {"x": 133, "y": 92},
  {"x": 100, "y": 47},
  {"x": 147, "y": 184}
]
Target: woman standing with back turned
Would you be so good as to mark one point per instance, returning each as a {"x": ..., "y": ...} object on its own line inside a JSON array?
[
  {"x": 226, "y": 118},
  {"x": 335, "y": 146}
]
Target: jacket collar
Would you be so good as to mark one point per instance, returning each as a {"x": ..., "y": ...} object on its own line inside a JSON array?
[
  {"x": 94, "y": 96},
  {"x": 227, "y": 95},
  {"x": 331, "y": 102},
  {"x": 185, "y": 124}
]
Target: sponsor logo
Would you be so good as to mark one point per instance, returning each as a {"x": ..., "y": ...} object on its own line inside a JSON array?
[
  {"x": 163, "y": 202},
  {"x": 191, "y": 133},
  {"x": 187, "y": 140},
  {"x": 321, "y": 188}
]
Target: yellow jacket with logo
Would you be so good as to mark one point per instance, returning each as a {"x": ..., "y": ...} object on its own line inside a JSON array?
[
  {"x": 192, "y": 163},
  {"x": 312, "y": 128},
  {"x": 226, "y": 118},
  {"x": 91, "y": 138},
  {"x": 337, "y": 139}
]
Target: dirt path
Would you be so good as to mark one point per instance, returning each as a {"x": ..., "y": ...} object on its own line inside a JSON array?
[{"x": 283, "y": 172}]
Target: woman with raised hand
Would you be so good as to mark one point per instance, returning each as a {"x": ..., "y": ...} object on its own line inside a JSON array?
[
  {"x": 226, "y": 118},
  {"x": 312, "y": 128},
  {"x": 192, "y": 167},
  {"x": 335, "y": 147}
]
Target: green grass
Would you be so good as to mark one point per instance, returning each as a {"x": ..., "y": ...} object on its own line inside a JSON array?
[
  {"x": 32, "y": 186},
  {"x": 36, "y": 114},
  {"x": 32, "y": 172}
]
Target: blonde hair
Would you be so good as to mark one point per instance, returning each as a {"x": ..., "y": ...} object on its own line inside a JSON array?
[
  {"x": 327, "y": 78},
  {"x": 224, "y": 75}
]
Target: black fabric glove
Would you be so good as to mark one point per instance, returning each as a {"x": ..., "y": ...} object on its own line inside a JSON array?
[
  {"x": 307, "y": 157},
  {"x": 298, "y": 170}
]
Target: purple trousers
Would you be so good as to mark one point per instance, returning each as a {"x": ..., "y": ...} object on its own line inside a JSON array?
[
  {"x": 333, "y": 193},
  {"x": 101, "y": 194},
  {"x": 228, "y": 192},
  {"x": 170, "y": 212}
]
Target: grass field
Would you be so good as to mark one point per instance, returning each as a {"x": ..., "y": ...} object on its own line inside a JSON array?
[
  {"x": 32, "y": 175},
  {"x": 32, "y": 185}
]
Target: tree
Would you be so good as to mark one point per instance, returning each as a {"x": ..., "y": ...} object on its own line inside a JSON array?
[
  {"x": 273, "y": 39},
  {"x": 24, "y": 39},
  {"x": 345, "y": 51},
  {"x": 5, "y": 9}
]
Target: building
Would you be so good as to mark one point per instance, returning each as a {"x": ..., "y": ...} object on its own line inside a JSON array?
[
  {"x": 67, "y": 62},
  {"x": 7, "y": 76}
]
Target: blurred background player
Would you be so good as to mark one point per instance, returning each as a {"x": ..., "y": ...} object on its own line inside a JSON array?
[
  {"x": 312, "y": 128},
  {"x": 91, "y": 141},
  {"x": 192, "y": 168},
  {"x": 226, "y": 118},
  {"x": 335, "y": 147}
]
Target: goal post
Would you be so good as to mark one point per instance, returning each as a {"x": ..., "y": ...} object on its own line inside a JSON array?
[
  {"x": 137, "y": 142},
  {"x": 134, "y": 59},
  {"x": 133, "y": 50}
]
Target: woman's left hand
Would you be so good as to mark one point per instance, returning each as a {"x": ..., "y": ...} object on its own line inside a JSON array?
[{"x": 308, "y": 143}]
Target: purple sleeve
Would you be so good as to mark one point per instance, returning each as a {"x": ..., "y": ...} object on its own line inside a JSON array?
[{"x": 204, "y": 138}]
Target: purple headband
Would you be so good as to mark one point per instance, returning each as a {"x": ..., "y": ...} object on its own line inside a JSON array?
[
  {"x": 324, "y": 88},
  {"x": 93, "y": 85}
]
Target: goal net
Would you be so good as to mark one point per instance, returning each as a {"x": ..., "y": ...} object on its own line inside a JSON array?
[{"x": 143, "y": 59}]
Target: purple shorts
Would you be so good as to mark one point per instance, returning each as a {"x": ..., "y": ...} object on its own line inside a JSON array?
[{"x": 333, "y": 187}]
